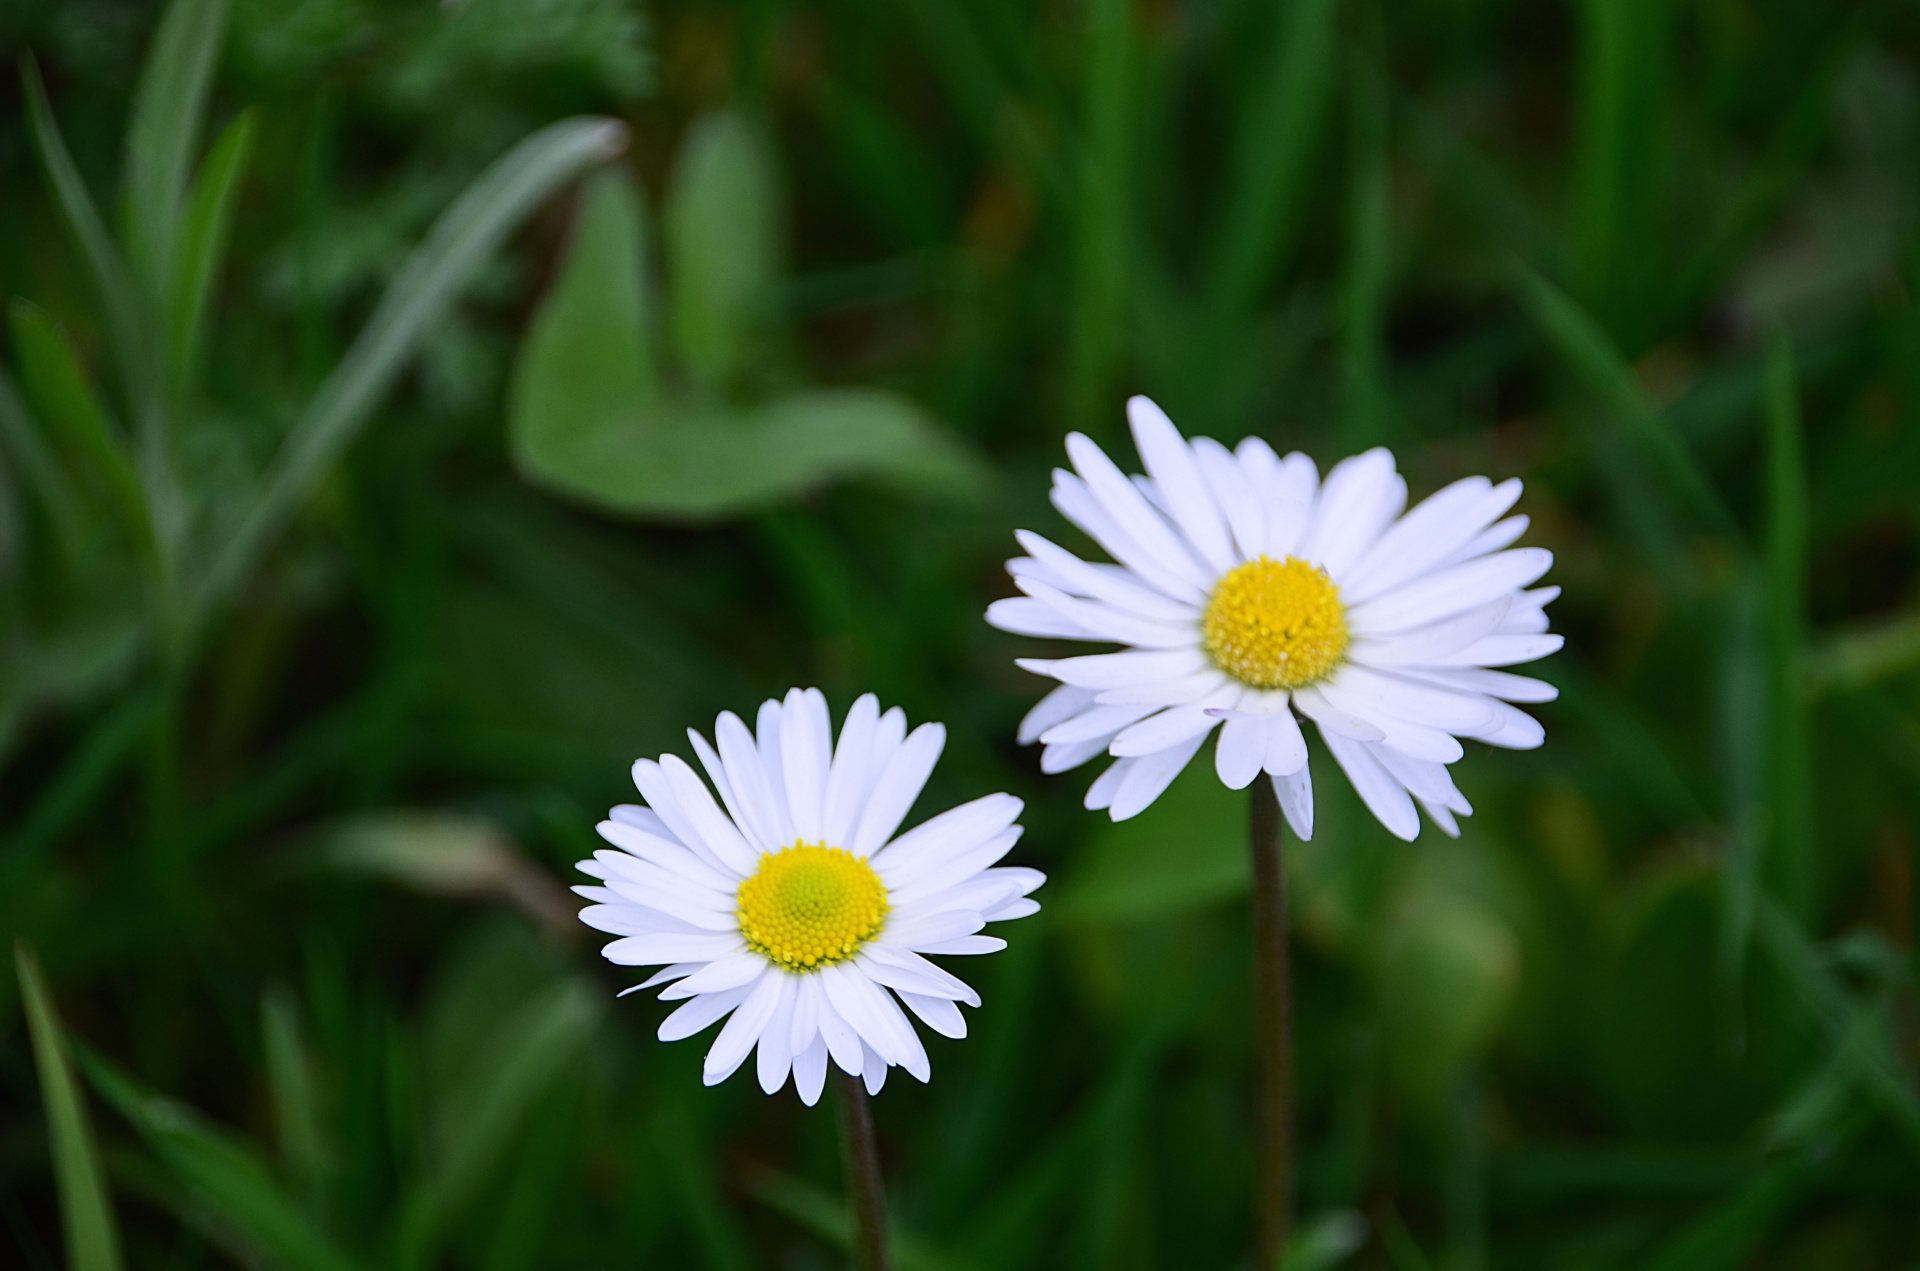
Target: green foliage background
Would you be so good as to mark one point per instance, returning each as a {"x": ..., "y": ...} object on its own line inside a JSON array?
[{"x": 322, "y": 646}]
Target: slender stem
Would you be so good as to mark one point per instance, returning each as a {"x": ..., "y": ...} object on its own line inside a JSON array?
[
  {"x": 1273, "y": 1015},
  {"x": 860, "y": 1160}
]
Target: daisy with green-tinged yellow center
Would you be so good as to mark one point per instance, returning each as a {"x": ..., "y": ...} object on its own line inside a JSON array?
[
  {"x": 791, "y": 907},
  {"x": 1248, "y": 592}
]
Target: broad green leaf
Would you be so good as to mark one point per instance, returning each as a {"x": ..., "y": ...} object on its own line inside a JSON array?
[
  {"x": 460, "y": 242},
  {"x": 169, "y": 107},
  {"x": 222, "y": 1172},
  {"x": 721, "y": 225},
  {"x": 1187, "y": 850},
  {"x": 678, "y": 461},
  {"x": 203, "y": 241},
  {"x": 86, "y": 1212}
]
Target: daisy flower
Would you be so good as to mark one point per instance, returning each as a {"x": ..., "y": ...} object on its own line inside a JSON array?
[
  {"x": 1248, "y": 590},
  {"x": 790, "y": 907}
]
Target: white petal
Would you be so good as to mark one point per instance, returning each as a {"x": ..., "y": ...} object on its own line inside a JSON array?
[
  {"x": 1056, "y": 707},
  {"x": 1286, "y": 750},
  {"x": 1122, "y": 670},
  {"x": 645, "y": 820},
  {"x": 1241, "y": 749},
  {"x": 1385, "y": 797},
  {"x": 843, "y": 1040},
  {"x": 719, "y": 975},
  {"x": 1452, "y": 590},
  {"x": 938, "y": 1013},
  {"x": 1290, "y": 505},
  {"x": 904, "y": 969},
  {"x": 806, "y": 754},
  {"x": 1504, "y": 650},
  {"x": 1023, "y": 615},
  {"x": 699, "y": 1014},
  {"x": 1098, "y": 722},
  {"x": 1441, "y": 815},
  {"x": 1151, "y": 775},
  {"x": 1332, "y": 718},
  {"x": 1409, "y": 699},
  {"x": 810, "y": 1072},
  {"x": 917, "y": 931},
  {"x": 716, "y": 770},
  {"x": 742, "y": 1030},
  {"x": 1513, "y": 729},
  {"x": 767, "y": 727},
  {"x": 875, "y": 1075},
  {"x": 1428, "y": 536},
  {"x": 897, "y": 786},
  {"x": 937, "y": 874},
  {"x": 852, "y": 773},
  {"x": 952, "y": 833},
  {"x": 1188, "y": 688},
  {"x": 651, "y": 780},
  {"x": 1143, "y": 524},
  {"x": 1100, "y": 793},
  {"x": 961, "y": 946},
  {"x": 1497, "y": 684},
  {"x": 1062, "y": 758},
  {"x": 1295, "y": 792},
  {"x": 1114, "y": 584},
  {"x": 1174, "y": 726},
  {"x": 761, "y": 814},
  {"x": 1233, "y": 493},
  {"x": 1174, "y": 470},
  {"x": 671, "y": 947},
  {"x": 1361, "y": 497},
  {"x": 1077, "y": 503},
  {"x": 775, "y": 1056},
  {"x": 717, "y": 832},
  {"x": 1101, "y": 621},
  {"x": 1436, "y": 640}
]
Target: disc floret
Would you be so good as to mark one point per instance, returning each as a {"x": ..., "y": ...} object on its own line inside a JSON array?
[{"x": 809, "y": 906}]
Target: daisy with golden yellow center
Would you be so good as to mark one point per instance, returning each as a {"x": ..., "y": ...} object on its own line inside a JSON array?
[
  {"x": 1247, "y": 593},
  {"x": 783, "y": 899}
]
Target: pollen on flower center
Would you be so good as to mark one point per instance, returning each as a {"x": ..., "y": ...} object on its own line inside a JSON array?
[
  {"x": 810, "y": 905},
  {"x": 1275, "y": 624}
]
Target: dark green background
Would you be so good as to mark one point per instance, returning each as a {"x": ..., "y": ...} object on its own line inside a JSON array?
[{"x": 286, "y": 864}]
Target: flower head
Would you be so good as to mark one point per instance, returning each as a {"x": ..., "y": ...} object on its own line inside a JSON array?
[
  {"x": 1246, "y": 588},
  {"x": 790, "y": 907}
]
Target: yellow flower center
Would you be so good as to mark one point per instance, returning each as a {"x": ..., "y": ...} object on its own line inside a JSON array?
[
  {"x": 1275, "y": 623},
  {"x": 810, "y": 905}
]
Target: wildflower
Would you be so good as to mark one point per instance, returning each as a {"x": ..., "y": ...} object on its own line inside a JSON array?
[
  {"x": 790, "y": 907},
  {"x": 1246, "y": 589}
]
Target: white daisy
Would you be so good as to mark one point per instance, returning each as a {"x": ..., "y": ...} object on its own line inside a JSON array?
[
  {"x": 790, "y": 907},
  {"x": 1246, "y": 589}
]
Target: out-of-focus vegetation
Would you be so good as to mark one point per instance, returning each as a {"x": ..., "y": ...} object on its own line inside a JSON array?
[{"x": 387, "y": 457}]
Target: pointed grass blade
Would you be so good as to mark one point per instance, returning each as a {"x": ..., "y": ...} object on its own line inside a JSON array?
[
  {"x": 221, "y": 1171},
  {"x": 464, "y": 237},
  {"x": 1792, "y": 872},
  {"x": 169, "y": 107},
  {"x": 203, "y": 242},
  {"x": 86, "y": 1212}
]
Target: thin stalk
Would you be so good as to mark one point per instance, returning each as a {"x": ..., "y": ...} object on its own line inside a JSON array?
[
  {"x": 860, "y": 1160},
  {"x": 1273, "y": 1016}
]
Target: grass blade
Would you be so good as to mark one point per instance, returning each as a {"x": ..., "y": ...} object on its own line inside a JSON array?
[
  {"x": 1791, "y": 859},
  {"x": 58, "y": 386},
  {"x": 117, "y": 293},
  {"x": 1726, "y": 1238},
  {"x": 25, "y": 439},
  {"x": 169, "y": 107},
  {"x": 1364, "y": 417},
  {"x": 203, "y": 243},
  {"x": 1278, "y": 129},
  {"x": 220, "y": 1171},
  {"x": 1594, "y": 359},
  {"x": 296, "y": 1108},
  {"x": 459, "y": 242},
  {"x": 1100, "y": 267},
  {"x": 86, "y": 1213}
]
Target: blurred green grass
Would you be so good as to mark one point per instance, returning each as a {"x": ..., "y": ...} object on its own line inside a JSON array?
[{"x": 299, "y": 740}]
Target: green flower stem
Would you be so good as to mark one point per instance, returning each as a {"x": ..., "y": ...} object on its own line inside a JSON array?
[
  {"x": 860, "y": 1160},
  {"x": 1273, "y": 1016}
]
